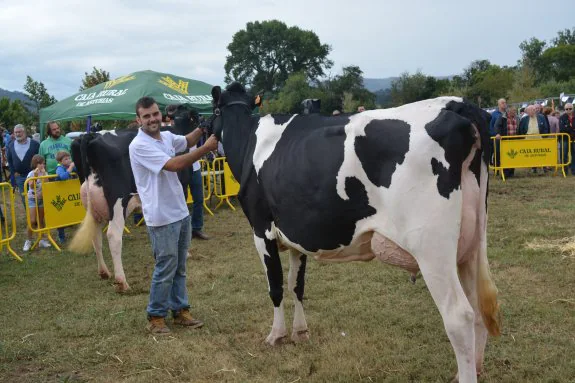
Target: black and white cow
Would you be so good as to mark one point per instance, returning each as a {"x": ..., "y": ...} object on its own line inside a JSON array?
[
  {"x": 109, "y": 192},
  {"x": 406, "y": 185}
]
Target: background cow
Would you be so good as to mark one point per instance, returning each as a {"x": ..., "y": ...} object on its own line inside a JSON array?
[
  {"x": 108, "y": 189},
  {"x": 406, "y": 185}
]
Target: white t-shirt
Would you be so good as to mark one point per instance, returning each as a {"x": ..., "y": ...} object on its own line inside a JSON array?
[
  {"x": 196, "y": 165},
  {"x": 160, "y": 190}
]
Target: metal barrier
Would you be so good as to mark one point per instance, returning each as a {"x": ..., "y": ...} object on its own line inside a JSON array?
[
  {"x": 62, "y": 206},
  {"x": 7, "y": 224},
  {"x": 226, "y": 186},
  {"x": 530, "y": 151}
]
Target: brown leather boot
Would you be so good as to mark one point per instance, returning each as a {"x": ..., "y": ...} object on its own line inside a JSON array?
[
  {"x": 157, "y": 326},
  {"x": 184, "y": 318}
]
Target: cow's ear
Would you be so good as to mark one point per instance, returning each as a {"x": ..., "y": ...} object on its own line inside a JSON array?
[
  {"x": 216, "y": 93},
  {"x": 258, "y": 100}
]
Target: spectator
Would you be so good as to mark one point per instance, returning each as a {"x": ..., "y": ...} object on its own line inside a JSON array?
[
  {"x": 506, "y": 125},
  {"x": 19, "y": 155},
  {"x": 539, "y": 109},
  {"x": 501, "y": 109},
  {"x": 65, "y": 166},
  {"x": 553, "y": 121},
  {"x": 49, "y": 148},
  {"x": 35, "y": 200},
  {"x": 360, "y": 109},
  {"x": 533, "y": 124},
  {"x": 566, "y": 125}
]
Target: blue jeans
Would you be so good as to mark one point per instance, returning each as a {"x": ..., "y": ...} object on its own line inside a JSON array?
[
  {"x": 197, "y": 191},
  {"x": 170, "y": 246},
  {"x": 20, "y": 184}
]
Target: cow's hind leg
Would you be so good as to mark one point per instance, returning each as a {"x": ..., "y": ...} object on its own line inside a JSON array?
[
  {"x": 296, "y": 283},
  {"x": 114, "y": 233},
  {"x": 97, "y": 242},
  {"x": 269, "y": 255},
  {"x": 438, "y": 266},
  {"x": 468, "y": 273}
]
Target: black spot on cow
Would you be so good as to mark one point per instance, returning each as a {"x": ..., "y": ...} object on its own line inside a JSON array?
[
  {"x": 300, "y": 179},
  {"x": 455, "y": 135},
  {"x": 383, "y": 147},
  {"x": 280, "y": 119}
]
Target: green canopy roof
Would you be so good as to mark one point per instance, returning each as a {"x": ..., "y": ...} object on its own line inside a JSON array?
[{"x": 116, "y": 99}]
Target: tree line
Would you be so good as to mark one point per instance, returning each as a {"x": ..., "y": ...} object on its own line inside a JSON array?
[{"x": 288, "y": 64}]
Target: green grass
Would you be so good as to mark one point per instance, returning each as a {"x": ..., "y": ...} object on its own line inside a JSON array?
[{"x": 61, "y": 323}]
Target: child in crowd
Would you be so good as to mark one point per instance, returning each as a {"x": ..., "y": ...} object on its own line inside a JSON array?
[
  {"x": 35, "y": 200},
  {"x": 65, "y": 166},
  {"x": 63, "y": 172}
]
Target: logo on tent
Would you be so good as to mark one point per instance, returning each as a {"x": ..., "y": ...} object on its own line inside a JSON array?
[
  {"x": 180, "y": 86},
  {"x": 117, "y": 81}
]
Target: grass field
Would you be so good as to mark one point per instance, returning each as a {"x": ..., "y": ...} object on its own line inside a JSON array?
[{"x": 61, "y": 323}]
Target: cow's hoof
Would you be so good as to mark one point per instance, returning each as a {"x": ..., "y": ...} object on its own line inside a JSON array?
[
  {"x": 121, "y": 286},
  {"x": 300, "y": 336},
  {"x": 276, "y": 338},
  {"x": 104, "y": 274}
]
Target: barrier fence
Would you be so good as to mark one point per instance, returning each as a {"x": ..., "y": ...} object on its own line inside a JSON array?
[
  {"x": 7, "y": 219},
  {"x": 57, "y": 203},
  {"x": 532, "y": 151}
]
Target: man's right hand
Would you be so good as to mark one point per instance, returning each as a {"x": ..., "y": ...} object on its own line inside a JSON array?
[{"x": 211, "y": 143}]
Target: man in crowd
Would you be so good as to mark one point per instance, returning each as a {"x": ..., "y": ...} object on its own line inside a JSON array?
[
  {"x": 501, "y": 109},
  {"x": 567, "y": 125},
  {"x": 54, "y": 143},
  {"x": 506, "y": 125},
  {"x": 154, "y": 164},
  {"x": 19, "y": 154}
]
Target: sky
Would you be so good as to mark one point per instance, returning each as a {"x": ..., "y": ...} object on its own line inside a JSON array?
[{"x": 56, "y": 41}]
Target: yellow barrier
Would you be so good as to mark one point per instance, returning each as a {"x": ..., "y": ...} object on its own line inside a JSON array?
[
  {"x": 529, "y": 151},
  {"x": 8, "y": 223},
  {"x": 61, "y": 203},
  {"x": 206, "y": 185},
  {"x": 226, "y": 187}
]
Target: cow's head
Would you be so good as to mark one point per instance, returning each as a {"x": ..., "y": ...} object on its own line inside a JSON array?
[
  {"x": 185, "y": 119},
  {"x": 234, "y": 94}
]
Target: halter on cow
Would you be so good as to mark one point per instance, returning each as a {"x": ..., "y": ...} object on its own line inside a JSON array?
[{"x": 406, "y": 185}]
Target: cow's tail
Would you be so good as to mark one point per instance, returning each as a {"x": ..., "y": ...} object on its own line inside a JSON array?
[
  {"x": 487, "y": 295},
  {"x": 82, "y": 241}
]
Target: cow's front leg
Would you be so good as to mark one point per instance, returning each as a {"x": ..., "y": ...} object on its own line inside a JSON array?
[
  {"x": 269, "y": 255},
  {"x": 296, "y": 283}
]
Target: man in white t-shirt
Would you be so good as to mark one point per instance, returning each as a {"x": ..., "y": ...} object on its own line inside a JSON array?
[{"x": 154, "y": 164}]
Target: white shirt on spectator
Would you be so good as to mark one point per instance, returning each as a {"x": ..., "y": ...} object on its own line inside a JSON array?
[
  {"x": 160, "y": 190},
  {"x": 21, "y": 149}
]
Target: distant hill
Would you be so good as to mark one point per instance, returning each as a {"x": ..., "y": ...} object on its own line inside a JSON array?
[
  {"x": 15, "y": 95},
  {"x": 375, "y": 84}
]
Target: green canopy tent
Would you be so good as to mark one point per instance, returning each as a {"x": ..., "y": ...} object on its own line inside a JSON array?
[{"x": 116, "y": 99}]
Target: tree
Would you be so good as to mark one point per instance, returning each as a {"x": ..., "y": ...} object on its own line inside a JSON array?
[
  {"x": 564, "y": 37},
  {"x": 350, "y": 81},
  {"x": 532, "y": 50},
  {"x": 264, "y": 55},
  {"x": 523, "y": 88},
  {"x": 36, "y": 91},
  {"x": 97, "y": 76},
  {"x": 560, "y": 61},
  {"x": 13, "y": 112},
  {"x": 295, "y": 90},
  {"x": 410, "y": 88},
  {"x": 491, "y": 84}
]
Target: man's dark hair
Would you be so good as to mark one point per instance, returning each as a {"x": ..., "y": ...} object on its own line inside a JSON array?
[
  {"x": 48, "y": 128},
  {"x": 144, "y": 102}
]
